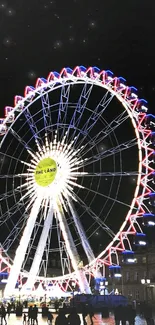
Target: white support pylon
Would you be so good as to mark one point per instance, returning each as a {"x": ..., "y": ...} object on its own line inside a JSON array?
[
  {"x": 22, "y": 248},
  {"x": 40, "y": 250},
  {"x": 72, "y": 251}
]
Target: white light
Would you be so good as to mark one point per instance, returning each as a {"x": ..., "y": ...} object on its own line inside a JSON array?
[
  {"x": 143, "y": 281},
  {"x": 59, "y": 190},
  {"x": 131, "y": 260},
  {"x": 151, "y": 223},
  {"x": 145, "y": 109},
  {"x": 148, "y": 281},
  {"x": 117, "y": 275},
  {"x": 134, "y": 95},
  {"x": 4, "y": 280},
  {"x": 142, "y": 243}
]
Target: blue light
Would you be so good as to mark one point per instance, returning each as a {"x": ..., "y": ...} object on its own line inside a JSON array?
[
  {"x": 98, "y": 280},
  {"x": 127, "y": 252},
  {"x": 148, "y": 115},
  {"x": 122, "y": 79},
  {"x": 144, "y": 101},
  {"x": 69, "y": 70},
  {"x": 114, "y": 267},
  {"x": 82, "y": 68},
  {"x": 56, "y": 74},
  {"x": 96, "y": 69},
  {"x": 110, "y": 72},
  {"x": 44, "y": 80},
  {"x": 133, "y": 88},
  {"x": 152, "y": 194},
  {"x": 3, "y": 273},
  {"x": 31, "y": 87},
  {"x": 140, "y": 234}
]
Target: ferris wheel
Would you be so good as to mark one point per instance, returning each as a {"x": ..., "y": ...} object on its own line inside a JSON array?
[{"x": 77, "y": 170}]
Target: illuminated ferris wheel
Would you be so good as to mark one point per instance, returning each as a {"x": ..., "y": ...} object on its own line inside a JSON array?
[{"x": 76, "y": 169}]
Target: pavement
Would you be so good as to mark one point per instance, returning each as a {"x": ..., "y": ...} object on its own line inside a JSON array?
[{"x": 97, "y": 320}]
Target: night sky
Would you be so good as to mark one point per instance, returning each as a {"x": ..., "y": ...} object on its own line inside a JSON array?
[
  {"x": 39, "y": 36},
  {"x": 43, "y": 35}
]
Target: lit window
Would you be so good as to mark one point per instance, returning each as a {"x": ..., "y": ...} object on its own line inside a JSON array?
[{"x": 144, "y": 259}]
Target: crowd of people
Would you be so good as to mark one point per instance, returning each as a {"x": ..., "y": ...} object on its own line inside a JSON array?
[
  {"x": 127, "y": 314},
  {"x": 69, "y": 316}
]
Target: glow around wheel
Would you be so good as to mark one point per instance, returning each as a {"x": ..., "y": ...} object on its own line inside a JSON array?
[{"x": 76, "y": 162}]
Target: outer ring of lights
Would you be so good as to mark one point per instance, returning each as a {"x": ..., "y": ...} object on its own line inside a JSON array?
[{"x": 136, "y": 109}]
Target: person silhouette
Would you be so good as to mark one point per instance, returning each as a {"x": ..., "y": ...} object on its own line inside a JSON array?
[
  {"x": 61, "y": 319},
  {"x": 3, "y": 314},
  {"x": 74, "y": 318}
]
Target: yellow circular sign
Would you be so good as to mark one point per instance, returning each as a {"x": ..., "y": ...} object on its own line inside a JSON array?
[{"x": 45, "y": 172}]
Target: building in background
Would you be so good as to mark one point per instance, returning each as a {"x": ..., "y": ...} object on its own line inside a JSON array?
[{"x": 138, "y": 279}]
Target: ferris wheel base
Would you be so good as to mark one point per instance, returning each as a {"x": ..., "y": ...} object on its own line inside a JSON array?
[{"x": 83, "y": 282}]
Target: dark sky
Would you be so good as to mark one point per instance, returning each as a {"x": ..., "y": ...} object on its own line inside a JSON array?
[{"x": 37, "y": 36}]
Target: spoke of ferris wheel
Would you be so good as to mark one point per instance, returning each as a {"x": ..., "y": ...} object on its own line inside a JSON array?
[
  {"x": 14, "y": 233},
  {"x": 97, "y": 220},
  {"x": 32, "y": 126},
  {"x": 102, "y": 155},
  {"x": 21, "y": 250},
  {"x": 72, "y": 250},
  {"x": 79, "y": 109},
  {"x": 111, "y": 174},
  {"x": 63, "y": 108},
  {"x": 102, "y": 135},
  {"x": 11, "y": 157},
  {"x": 65, "y": 260},
  {"x": 46, "y": 107},
  {"x": 108, "y": 197},
  {"x": 20, "y": 140},
  {"x": 47, "y": 251},
  {"x": 14, "y": 176},
  {"x": 81, "y": 233},
  {"x": 9, "y": 212},
  {"x": 8, "y": 215},
  {"x": 95, "y": 115},
  {"x": 8, "y": 194},
  {"x": 40, "y": 248}
]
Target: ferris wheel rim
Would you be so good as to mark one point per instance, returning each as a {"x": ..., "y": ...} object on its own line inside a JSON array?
[{"x": 78, "y": 80}]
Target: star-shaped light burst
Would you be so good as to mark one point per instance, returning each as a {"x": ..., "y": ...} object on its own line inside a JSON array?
[{"x": 53, "y": 172}]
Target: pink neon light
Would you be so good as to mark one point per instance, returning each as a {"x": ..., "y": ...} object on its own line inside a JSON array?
[{"x": 134, "y": 103}]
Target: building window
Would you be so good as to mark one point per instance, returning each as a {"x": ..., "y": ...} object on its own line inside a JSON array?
[
  {"x": 130, "y": 294},
  {"x": 136, "y": 276},
  {"x": 144, "y": 259},
  {"x": 144, "y": 275},
  {"x": 127, "y": 276},
  {"x": 137, "y": 295}
]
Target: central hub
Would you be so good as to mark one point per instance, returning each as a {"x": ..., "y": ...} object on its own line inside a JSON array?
[{"x": 45, "y": 172}]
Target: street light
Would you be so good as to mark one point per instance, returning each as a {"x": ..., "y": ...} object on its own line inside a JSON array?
[{"x": 145, "y": 282}]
